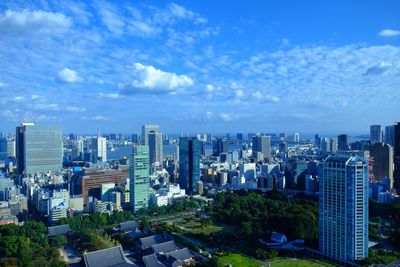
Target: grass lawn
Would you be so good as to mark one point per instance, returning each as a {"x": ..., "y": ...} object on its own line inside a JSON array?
[
  {"x": 238, "y": 260},
  {"x": 196, "y": 228},
  {"x": 298, "y": 263}
]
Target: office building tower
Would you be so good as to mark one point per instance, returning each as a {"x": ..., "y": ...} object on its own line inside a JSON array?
[
  {"x": 99, "y": 149},
  {"x": 155, "y": 147},
  {"x": 317, "y": 141},
  {"x": 334, "y": 145},
  {"x": 239, "y": 136},
  {"x": 326, "y": 144},
  {"x": 152, "y": 131},
  {"x": 190, "y": 150},
  {"x": 261, "y": 144},
  {"x": 283, "y": 147},
  {"x": 342, "y": 142},
  {"x": 382, "y": 155},
  {"x": 376, "y": 134},
  {"x": 389, "y": 135},
  {"x": 296, "y": 137},
  {"x": 39, "y": 148},
  {"x": 77, "y": 150},
  {"x": 11, "y": 151},
  {"x": 135, "y": 138},
  {"x": 343, "y": 218},
  {"x": 396, "y": 149},
  {"x": 3, "y": 149},
  {"x": 139, "y": 177},
  {"x": 220, "y": 146}
]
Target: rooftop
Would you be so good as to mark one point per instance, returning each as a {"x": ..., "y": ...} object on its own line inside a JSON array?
[{"x": 109, "y": 257}]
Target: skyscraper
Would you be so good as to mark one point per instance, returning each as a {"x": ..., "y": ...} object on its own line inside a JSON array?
[
  {"x": 3, "y": 148},
  {"x": 261, "y": 144},
  {"x": 152, "y": 137},
  {"x": 220, "y": 146},
  {"x": 317, "y": 141},
  {"x": 190, "y": 150},
  {"x": 99, "y": 149},
  {"x": 39, "y": 148},
  {"x": 139, "y": 177},
  {"x": 383, "y": 161},
  {"x": 376, "y": 134},
  {"x": 389, "y": 135},
  {"x": 396, "y": 173},
  {"x": 296, "y": 137},
  {"x": 343, "y": 218},
  {"x": 342, "y": 142}
]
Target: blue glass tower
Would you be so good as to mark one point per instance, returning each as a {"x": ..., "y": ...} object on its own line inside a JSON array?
[{"x": 190, "y": 150}]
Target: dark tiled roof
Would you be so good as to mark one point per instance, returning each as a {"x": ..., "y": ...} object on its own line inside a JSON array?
[
  {"x": 165, "y": 247},
  {"x": 109, "y": 257},
  {"x": 180, "y": 255},
  {"x": 58, "y": 230},
  {"x": 152, "y": 261},
  {"x": 127, "y": 226},
  {"x": 147, "y": 242}
]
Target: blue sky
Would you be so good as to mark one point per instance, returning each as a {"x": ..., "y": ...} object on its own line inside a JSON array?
[{"x": 200, "y": 66}]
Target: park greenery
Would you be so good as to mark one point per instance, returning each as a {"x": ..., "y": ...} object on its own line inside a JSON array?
[
  {"x": 257, "y": 215},
  {"x": 28, "y": 245}
]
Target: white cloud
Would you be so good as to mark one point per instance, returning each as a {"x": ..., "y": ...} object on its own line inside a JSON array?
[
  {"x": 95, "y": 118},
  {"x": 109, "y": 95},
  {"x": 389, "y": 33},
  {"x": 148, "y": 79},
  {"x": 3, "y": 85},
  {"x": 143, "y": 29},
  {"x": 57, "y": 107},
  {"x": 68, "y": 76},
  {"x": 110, "y": 18},
  {"x": 33, "y": 21},
  {"x": 177, "y": 11},
  {"x": 8, "y": 115},
  {"x": 228, "y": 117}
]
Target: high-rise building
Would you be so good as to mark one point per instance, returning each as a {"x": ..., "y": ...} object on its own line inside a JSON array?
[
  {"x": 190, "y": 150},
  {"x": 317, "y": 141},
  {"x": 3, "y": 148},
  {"x": 239, "y": 136},
  {"x": 376, "y": 134},
  {"x": 296, "y": 137},
  {"x": 343, "y": 218},
  {"x": 334, "y": 145},
  {"x": 342, "y": 142},
  {"x": 389, "y": 135},
  {"x": 220, "y": 146},
  {"x": 261, "y": 144},
  {"x": 382, "y": 155},
  {"x": 396, "y": 173},
  {"x": 99, "y": 149},
  {"x": 155, "y": 147},
  {"x": 11, "y": 151},
  {"x": 139, "y": 177},
  {"x": 152, "y": 137},
  {"x": 39, "y": 148}
]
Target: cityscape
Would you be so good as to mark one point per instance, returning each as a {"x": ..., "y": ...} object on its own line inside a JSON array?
[{"x": 204, "y": 133}]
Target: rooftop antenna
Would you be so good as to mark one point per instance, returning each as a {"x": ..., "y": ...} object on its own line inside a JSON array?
[{"x": 98, "y": 132}]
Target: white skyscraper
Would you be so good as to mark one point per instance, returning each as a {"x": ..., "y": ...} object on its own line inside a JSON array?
[
  {"x": 343, "y": 218},
  {"x": 297, "y": 137},
  {"x": 152, "y": 137},
  {"x": 99, "y": 149}
]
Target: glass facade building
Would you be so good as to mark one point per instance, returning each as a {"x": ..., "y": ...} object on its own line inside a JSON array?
[
  {"x": 39, "y": 148},
  {"x": 343, "y": 218},
  {"x": 139, "y": 177},
  {"x": 190, "y": 150}
]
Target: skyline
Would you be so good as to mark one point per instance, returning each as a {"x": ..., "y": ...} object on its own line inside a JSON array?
[{"x": 277, "y": 66}]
